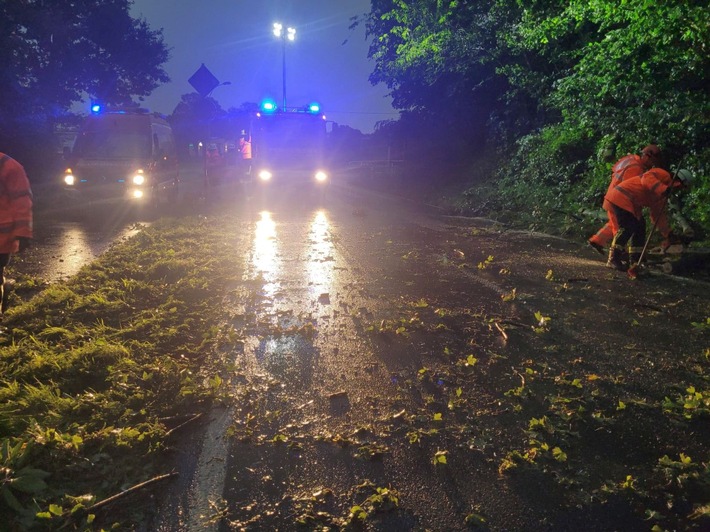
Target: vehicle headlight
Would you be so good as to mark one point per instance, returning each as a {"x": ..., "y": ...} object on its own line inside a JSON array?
[
  {"x": 321, "y": 176},
  {"x": 138, "y": 178},
  {"x": 69, "y": 177},
  {"x": 265, "y": 175},
  {"x": 137, "y": 194}
]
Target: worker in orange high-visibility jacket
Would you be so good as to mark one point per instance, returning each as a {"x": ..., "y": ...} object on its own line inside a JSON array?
[
  {"x": 627, "y": 167},
  {"x": 625, "y": 203},
  {"x": 245, "y": 152},
  {"x": 15, "y": 214}
]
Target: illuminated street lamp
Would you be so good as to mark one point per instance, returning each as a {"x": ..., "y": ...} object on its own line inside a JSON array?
[{"x": 288, "y": 35}]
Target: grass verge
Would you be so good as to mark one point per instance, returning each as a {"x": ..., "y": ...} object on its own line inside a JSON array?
[{"x": 96, "y": 371}]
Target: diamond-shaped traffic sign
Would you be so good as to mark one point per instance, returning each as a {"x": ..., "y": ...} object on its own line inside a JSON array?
[{"x": 203, "y": 81}]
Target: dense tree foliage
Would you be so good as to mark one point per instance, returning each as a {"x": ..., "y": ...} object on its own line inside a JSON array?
[
  {"x": 561, "y": 86},
  {"x": 53, "y": 53},
  {"x": 436, "y": 59}
]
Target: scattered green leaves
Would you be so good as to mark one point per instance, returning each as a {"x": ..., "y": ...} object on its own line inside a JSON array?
[
  {"x": 487, "y": 262},
  {"x": 543, "y": 322},
  {"x": 693, "y": 404},
  {"x": 440, "y": 458}
]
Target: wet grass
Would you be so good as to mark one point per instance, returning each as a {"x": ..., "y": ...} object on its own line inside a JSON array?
[{"x": 97, "y": 370}]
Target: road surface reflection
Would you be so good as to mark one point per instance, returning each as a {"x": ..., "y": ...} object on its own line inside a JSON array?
[
  {"x": 320, "y": 264},
  {"x": 60, "y": 249},
  {"x": 265, "y": 253}
]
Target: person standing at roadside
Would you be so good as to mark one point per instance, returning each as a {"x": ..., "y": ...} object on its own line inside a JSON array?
[
  {"x": 15, "y": 215},
  {"x": 245, "y": 152},
  {"x": 629, "y": 166}
]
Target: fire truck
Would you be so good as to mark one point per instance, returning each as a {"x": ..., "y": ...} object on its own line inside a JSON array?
[
  {"x": 123, "y": 153},
  {"x": 287, "y": 146}
]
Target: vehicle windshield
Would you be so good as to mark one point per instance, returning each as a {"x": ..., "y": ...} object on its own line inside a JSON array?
[
  {"x": 293, "y": 138},
  {"x": 113, "y": 144}
]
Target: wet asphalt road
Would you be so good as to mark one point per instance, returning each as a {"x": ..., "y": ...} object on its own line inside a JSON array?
[
  {"x": 350, "y": 351},
  {"x": 69, "y": 237},
  {"x": 351, "y": 329}
]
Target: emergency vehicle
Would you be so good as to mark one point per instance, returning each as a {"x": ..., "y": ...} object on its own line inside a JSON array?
[
  {"x": 125, "y": 153},
  {"x": 288, "y": 146}
]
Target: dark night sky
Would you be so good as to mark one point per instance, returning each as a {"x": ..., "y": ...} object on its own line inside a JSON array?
[{"x": 234, "y": 39}]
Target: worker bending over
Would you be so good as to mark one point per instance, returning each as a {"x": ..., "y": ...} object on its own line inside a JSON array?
[
  {"x": 625, "y": 202},
  {"x": 629, "y": 166}
]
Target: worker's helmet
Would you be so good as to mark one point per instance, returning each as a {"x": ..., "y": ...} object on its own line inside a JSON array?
[
  {"x": 685, "y": 177},
  {"x": 652, "y": 151}
]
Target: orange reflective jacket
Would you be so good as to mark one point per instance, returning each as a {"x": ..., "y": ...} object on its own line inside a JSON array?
[
  {"x": 625, "y": 168},
  {"x": 245, "y": 148},
  {"x": 646, "y": 190},
  {"x": 15, "y": 204}
]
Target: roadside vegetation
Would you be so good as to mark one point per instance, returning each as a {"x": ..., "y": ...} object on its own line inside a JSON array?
[
  {"x": 98, "y": 373},
  {"x": 555, "y": 92}
]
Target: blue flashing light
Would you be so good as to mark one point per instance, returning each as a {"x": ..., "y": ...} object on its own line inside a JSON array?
[
  {"x": 96, "y": 108},
  {"x": 268, "y": 106},
  {"x": 314, "y": 108}
]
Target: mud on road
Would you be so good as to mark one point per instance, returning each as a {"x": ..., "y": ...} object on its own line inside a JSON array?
[{"x": 391, "y": 369}]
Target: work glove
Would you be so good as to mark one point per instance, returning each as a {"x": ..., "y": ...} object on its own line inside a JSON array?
[{"x": 24, "y": 243}]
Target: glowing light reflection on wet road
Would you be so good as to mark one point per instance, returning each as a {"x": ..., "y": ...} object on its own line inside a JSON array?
[
  {"x": 320, "y": 263},
  {"x": 265, "y": 253},
  {"x": 74, "y": 249}
]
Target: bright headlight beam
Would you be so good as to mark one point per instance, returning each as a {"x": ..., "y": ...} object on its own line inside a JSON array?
[{"x": 138, "y": 178}]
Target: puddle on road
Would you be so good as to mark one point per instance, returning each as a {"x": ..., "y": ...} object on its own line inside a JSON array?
[
  {"x": 287, "y": 351},
  {"x": 290, "y": 358}
]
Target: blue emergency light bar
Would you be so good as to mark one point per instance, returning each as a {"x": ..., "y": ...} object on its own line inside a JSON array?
[
  {"x": 268, "y": 106},
  {"x": 97, "y": 108}
]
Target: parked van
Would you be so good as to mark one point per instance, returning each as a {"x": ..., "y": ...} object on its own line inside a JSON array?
[{"x": 127, "y": 154}]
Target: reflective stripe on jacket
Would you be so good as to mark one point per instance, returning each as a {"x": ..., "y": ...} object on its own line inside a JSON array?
[
  {"x": 626, "y": 167},
  {"x": 15, "y": 204}
]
